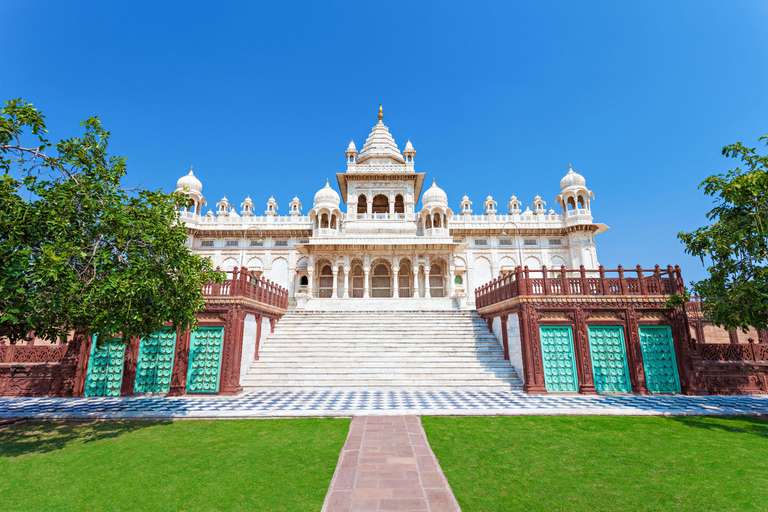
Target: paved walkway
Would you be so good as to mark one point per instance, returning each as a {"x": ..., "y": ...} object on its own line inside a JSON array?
[
  {"x": 275, "y": 404},
  {"x": 387, "y": 464}
]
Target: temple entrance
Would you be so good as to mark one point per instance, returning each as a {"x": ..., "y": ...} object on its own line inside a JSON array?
[
  {"x": 358, "y": 281},
  {"x": 381, "y": 282},
  {"x": 436, "y": 281},
  {"x": 405, "y": 281},
  {"x": 326, "y": 282}
]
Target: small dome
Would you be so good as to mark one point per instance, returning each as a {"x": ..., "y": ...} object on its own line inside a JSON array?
[
  {"x": 351, "y": 146},
  {"x": 409, "y": 146},
  {"x": 189, "y": 182},
  {"x": 327, "y": 196},
  {"x": 572, "y": 179},
  {"x": 434, "y": 196}
]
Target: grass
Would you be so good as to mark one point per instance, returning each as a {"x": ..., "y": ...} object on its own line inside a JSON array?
[
  {"x": 603, "y": 462},
  {"x": 254, "y": 465}
]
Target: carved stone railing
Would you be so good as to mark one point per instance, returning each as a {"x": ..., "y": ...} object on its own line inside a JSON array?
[
  {"x": 565, "y": 282},
  {"x": 241, "y": 283},
  {"x": 731, "y": 352},
  {"x": 32, "y": 353}
]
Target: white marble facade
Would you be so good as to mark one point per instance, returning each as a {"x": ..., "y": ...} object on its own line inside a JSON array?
[{"x": 373, "y": 239}]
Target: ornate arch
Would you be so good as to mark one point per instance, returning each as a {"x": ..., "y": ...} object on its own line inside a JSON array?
[{"x": 527, "y": 262}]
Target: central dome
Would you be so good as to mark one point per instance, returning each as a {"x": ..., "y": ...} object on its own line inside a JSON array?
[
  {"x": 380, "y": 144},
  {"x": 327, "y": 196}
]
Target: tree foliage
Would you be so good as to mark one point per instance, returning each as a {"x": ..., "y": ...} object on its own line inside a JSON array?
[
  {"x": 735, "y": 246},
  {"x": 77, "y": 251}
]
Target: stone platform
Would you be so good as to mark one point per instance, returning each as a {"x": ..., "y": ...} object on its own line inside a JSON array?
[{"x": 282, "y": 404}]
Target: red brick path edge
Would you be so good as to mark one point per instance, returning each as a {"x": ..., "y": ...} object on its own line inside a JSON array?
[{"x": 387, "y": 464}]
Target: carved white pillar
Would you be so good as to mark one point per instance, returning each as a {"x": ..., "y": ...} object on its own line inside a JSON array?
[
  {"x": 370, "y": 205},
  {"x": 366, "y": 286},
  {"x": 396, "y": 291},
  {"x": 450, "y": 280},
  {"x": 311, "y": 281},
  {"x": 392, "y": 204},
  {"x": 335, "y": 290},
  {"x": 348, "y": 279},
  {"x": 415, "y": 280},
  {"x": 427, "y": 294}
]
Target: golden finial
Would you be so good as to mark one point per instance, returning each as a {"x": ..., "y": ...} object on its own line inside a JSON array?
[
  {"x": 381, "y": 113},
  {"x": 570, "y": 168}
]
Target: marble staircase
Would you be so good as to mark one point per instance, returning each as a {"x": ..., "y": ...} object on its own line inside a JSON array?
[{"x": 429, "y": 350}]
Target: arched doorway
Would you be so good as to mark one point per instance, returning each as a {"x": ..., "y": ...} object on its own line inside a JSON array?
[
  {"x": 358, "y": 281},
  {"x": 381, "y": 282},
  {"x": 326, "y": 282},
  {"x": 405, "y": 280},
  {"x": 436, "y": 280},
  {"x": 399, "y": 204},
  {"x": 381, "y": 204},
  {"x": 362, "y": 204}
]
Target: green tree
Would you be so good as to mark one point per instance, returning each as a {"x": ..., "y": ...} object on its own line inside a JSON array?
[
  {"x": 78, "y": 251},
  {"x": 735, "y": 245}
]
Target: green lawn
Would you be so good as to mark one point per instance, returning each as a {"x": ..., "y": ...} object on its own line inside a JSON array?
[
  {"x": 253, "y": 465},
  {"x": 603, "y": 462}
]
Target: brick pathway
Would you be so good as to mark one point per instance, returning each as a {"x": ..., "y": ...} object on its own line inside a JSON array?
[{"x": 387, "y": 464}]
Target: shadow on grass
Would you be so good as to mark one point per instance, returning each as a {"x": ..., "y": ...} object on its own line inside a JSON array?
[
  {"x": 29, "y": 437},
  {"x": 755, "y": 425}
]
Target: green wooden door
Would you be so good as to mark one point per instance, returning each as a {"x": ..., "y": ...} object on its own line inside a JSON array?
[
  {"x": 558, "y": 359},
  {"x": 155, "y": 363},
  {"x": 609, "y": 359},
  {"x": 659, "y": 359},
  {"x": 105, "y": 369},
  {"x": 205, "y": 348}
]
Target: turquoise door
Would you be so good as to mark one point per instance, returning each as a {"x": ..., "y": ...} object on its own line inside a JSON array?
[
  {"x": 105, "y": 369},
  {"x": 659, "y": 359},
  {"x": 155, "y": 363},
  {"x": 558, "y": 359},
  {"x": 609, "y": 359},
  {"x": 205, "y": 348}
]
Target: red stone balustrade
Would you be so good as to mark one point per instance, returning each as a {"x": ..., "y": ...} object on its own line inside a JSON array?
[
  {"x": 567, "y": 282},
  {"x": 242, "y": 283}
]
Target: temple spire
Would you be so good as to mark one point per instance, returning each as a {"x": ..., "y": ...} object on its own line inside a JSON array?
[{"x": 381, "y": 113}]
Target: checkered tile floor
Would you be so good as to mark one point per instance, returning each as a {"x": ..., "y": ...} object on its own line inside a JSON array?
[{"x": 265, "y": 404}]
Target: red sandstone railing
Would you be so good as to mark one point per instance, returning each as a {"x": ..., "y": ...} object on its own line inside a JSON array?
[
  {"x": 241, "y": 283},
  {"x": 565, "y": 282},
  {"x": 694, "y": 305},
  {"x": 725, "y": 352}
]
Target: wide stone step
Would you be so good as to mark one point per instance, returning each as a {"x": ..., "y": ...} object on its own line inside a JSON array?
[
  {"x": 466, "y": 366},
  {"x": 425, "y": 344},
  {"x": 365, "y": 383},
  {"x": 445, "y": 377},
  {"x": 376, "y": 356},
  {"x": 352, "y": 360},
  {"x": 383, "y": 388},
  {"x": 362, "y": 378}
]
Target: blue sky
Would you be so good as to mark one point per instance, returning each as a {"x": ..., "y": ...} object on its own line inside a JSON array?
[{"x": 497, "y": 98}]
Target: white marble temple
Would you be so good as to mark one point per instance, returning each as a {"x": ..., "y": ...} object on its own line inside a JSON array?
[{"x": 370, "y": 240}]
